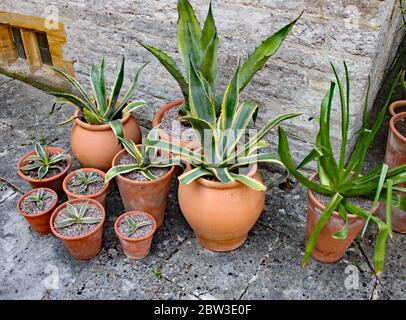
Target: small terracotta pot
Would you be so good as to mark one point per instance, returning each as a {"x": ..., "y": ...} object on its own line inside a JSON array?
[
  {"x": 221, "y": 215},
  {"x": 39, "y": 221},
  {"x": 83, "y": 247},
  {"x": 193, "y": 145},
  {"x": 148, "y": 196},
  {"x": 95, "y": 146},
  {"x": 327, "y": 248},
  {"x": 135, "y": 248},
  {"x": 54, "y": 182},
  {"x": 397, "y": 107},
  {"x": 394, "y": 157},
  {"x": 99, "y": 196}
]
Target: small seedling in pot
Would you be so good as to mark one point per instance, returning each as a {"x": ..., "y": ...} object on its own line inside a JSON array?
[
  {"x": 39, "y": 198},
  {"x": 76, "y": 217},
  {"x": 134, "y": 226},
  {"x": 43, "y": 161},
  {"x": 84, "y": 180}
]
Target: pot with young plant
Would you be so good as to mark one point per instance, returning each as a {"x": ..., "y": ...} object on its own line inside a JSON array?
[
  {"x": 79, "y": 224},
  {"x": 201, "y": 43},
  {"x": 143, "y": 177},
  {"x": 86, "y": 183},
  {"x": 135, "y": 229},
  {"x": 37, "y": 206},
  {"x": 44, "y": 167},
  {"x": 99, "y": 118},
  {"x": 341, "y": 200},
  {"x": 222, "y": 193}
]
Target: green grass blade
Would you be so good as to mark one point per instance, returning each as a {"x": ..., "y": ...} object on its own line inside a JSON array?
[
  {"x": 343, "y": 233},
  {"x": 313, "y": 155},
  {"x": 389, "y": 206}
]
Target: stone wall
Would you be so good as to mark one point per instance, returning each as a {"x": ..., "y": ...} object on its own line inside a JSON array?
[{"x": 362, "y": 32}]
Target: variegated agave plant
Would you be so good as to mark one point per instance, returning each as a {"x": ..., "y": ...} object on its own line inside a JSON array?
[
  {"x": 224, "y": 150},
  {"x": 99, "y": 108},
  {"x": 145, "y": 158},
  {"x": 201, "y": 45},
  {"x": 39, "y": 198},
  {"x": 76, "y": 217},
  {"x": 84, "y": 180}
]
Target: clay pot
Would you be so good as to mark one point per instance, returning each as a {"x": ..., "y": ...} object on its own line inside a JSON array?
[
  {"x": 397, "y": 107},
  {"x": 148, "y": 196},
  {"x": 193, "y": 145},
  {"x": 99, "y": 196},
  {"x": 39, "y": 221},
  {"x": 54, "y": 182},
  {"x": 83, "y": 247},
  {"x": 135, "y": 248},
  {"x": 394, "y": 157},
  {"x": 221, "y": 215},
  {"x": 95, "y": 146}
]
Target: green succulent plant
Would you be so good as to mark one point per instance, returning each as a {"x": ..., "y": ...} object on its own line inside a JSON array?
[
  {"x": 39, "y": 198},
  {"x": 224, "y": 150},
  {"x": 343, "y": 180},
  {"x": 101, "y": 108},
  {"x": 134, "y": 226},
  {"x": 84, "y": 180},
  {"x": 76, "y": 217},
  {"x": 43, "y": 161},
  {"x": 201, "y": 43},
  {"x": 145, "y": 158}
]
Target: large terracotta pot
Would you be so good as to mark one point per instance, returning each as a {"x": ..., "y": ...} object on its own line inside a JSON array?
[
  {"x": 39, "y": 221},
  {"x": 99, "y": 196},
  {"x": 55, "y": 182},
  {"x": 95, "y": 146},
  {"x": 394, "y": 157},
  {"x": 147, "y": 196},
  {"x": 397, "y": 107},
  {"x": 83, "y": 247},
  {"x": 221, "y": 215},
  {"x": 327, "y": 248},
  {"x": 135, "y": 248},
  {"x": 193, "y": 145}
]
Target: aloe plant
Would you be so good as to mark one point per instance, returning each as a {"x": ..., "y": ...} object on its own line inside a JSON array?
[
  {"x": 343, "y": 180},
  {"x": 201, "y": 43},
  {"x": 39, "y": 198},
  {"x": 134, "y": 226},
  {"x": 76, "y": 217},
  {"x": 145, "y": 158},
  {"x": 221, "y": 137},
  {"x": 43, "y": 161},
  {"x": 85, "y": 179},
  {"x": 101, "y": 108}
]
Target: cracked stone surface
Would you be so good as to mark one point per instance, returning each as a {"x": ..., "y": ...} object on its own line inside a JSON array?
[{"x": 267, "y": 266}]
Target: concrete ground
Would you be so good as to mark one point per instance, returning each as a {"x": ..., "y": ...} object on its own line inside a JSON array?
[{"x": 267, "y": 266}]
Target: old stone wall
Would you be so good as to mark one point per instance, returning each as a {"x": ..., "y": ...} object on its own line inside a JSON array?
[{"x": 361, "y": 32}]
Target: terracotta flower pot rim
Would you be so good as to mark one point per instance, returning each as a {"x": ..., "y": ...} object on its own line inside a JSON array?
[
  {"x": 117, "y": 157},
  {"x": 84, "y": 196},
  {"x": 25, "y": 195},
  {"x": 159, "y": 115},
  {"x": 392, "y": 123},
  {"x": 97, "y": 127},
  {"x": 51, "y": 150},
  {"x": 396, "y": 104},
  {"x": 132, "y": 213},
  {"x": 63, "y": 205}
]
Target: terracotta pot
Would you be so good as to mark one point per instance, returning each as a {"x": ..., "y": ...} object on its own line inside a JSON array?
[
  {"x": 327, "y": 248},
  {"x": 148, "y": 196},
  {"x": 135, "y": 248},
  {"x": 83, "y": 247},
  {"x": 39, "y": 221},
  {"x": 95, "y": 146},
  {"x": 193, "y": 145},
  {"x": 394, "y": 157},
  {"x": 221, "y": 215},
  {"x": 99, "y": 196},
  {"x": 55, "y": 182},
  {"x": 397, "y": 107}
]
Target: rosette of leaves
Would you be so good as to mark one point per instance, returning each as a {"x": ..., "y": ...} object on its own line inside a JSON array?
[
  {"x": 342, "y": 180},
  {"x": 43, "y": 161},
  {"x": 134, "y": 226},
  {"x": 99, "y": 107},
  {"x": 85, "y": 179},
  {"x": 76, "y": 216},
  {"x": 39, "y": 198}
]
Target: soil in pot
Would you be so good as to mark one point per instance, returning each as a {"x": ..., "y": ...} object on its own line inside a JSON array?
[
  {"x": 400, "y": 126},
  {"x": 31, "y": 207},
  {"x": 171, "y": 124},
  {"x": 92, "y": 188},
  {"x": 135, "y": 175},
  {"x": 362, "y": 202},
  {"x": 51, "y": 172},
  {"x": 142, "y": 232}
]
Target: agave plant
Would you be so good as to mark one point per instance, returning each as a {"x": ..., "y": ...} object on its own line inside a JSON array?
[
  {"x": 340, "y": 180},
  {"x": 85, "y": 179},
  {"x": 145, "y": 158},
  {"x": 43, "y": 161},
  {"x": 76, "y": 217},
  {"x": 99, "y": 108},
  {"x": 224, "y": 151},
  {"x": 39, "y": 198},
  {"x": 134, "y": 226},
  {"x": 201, "y": 45}
]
